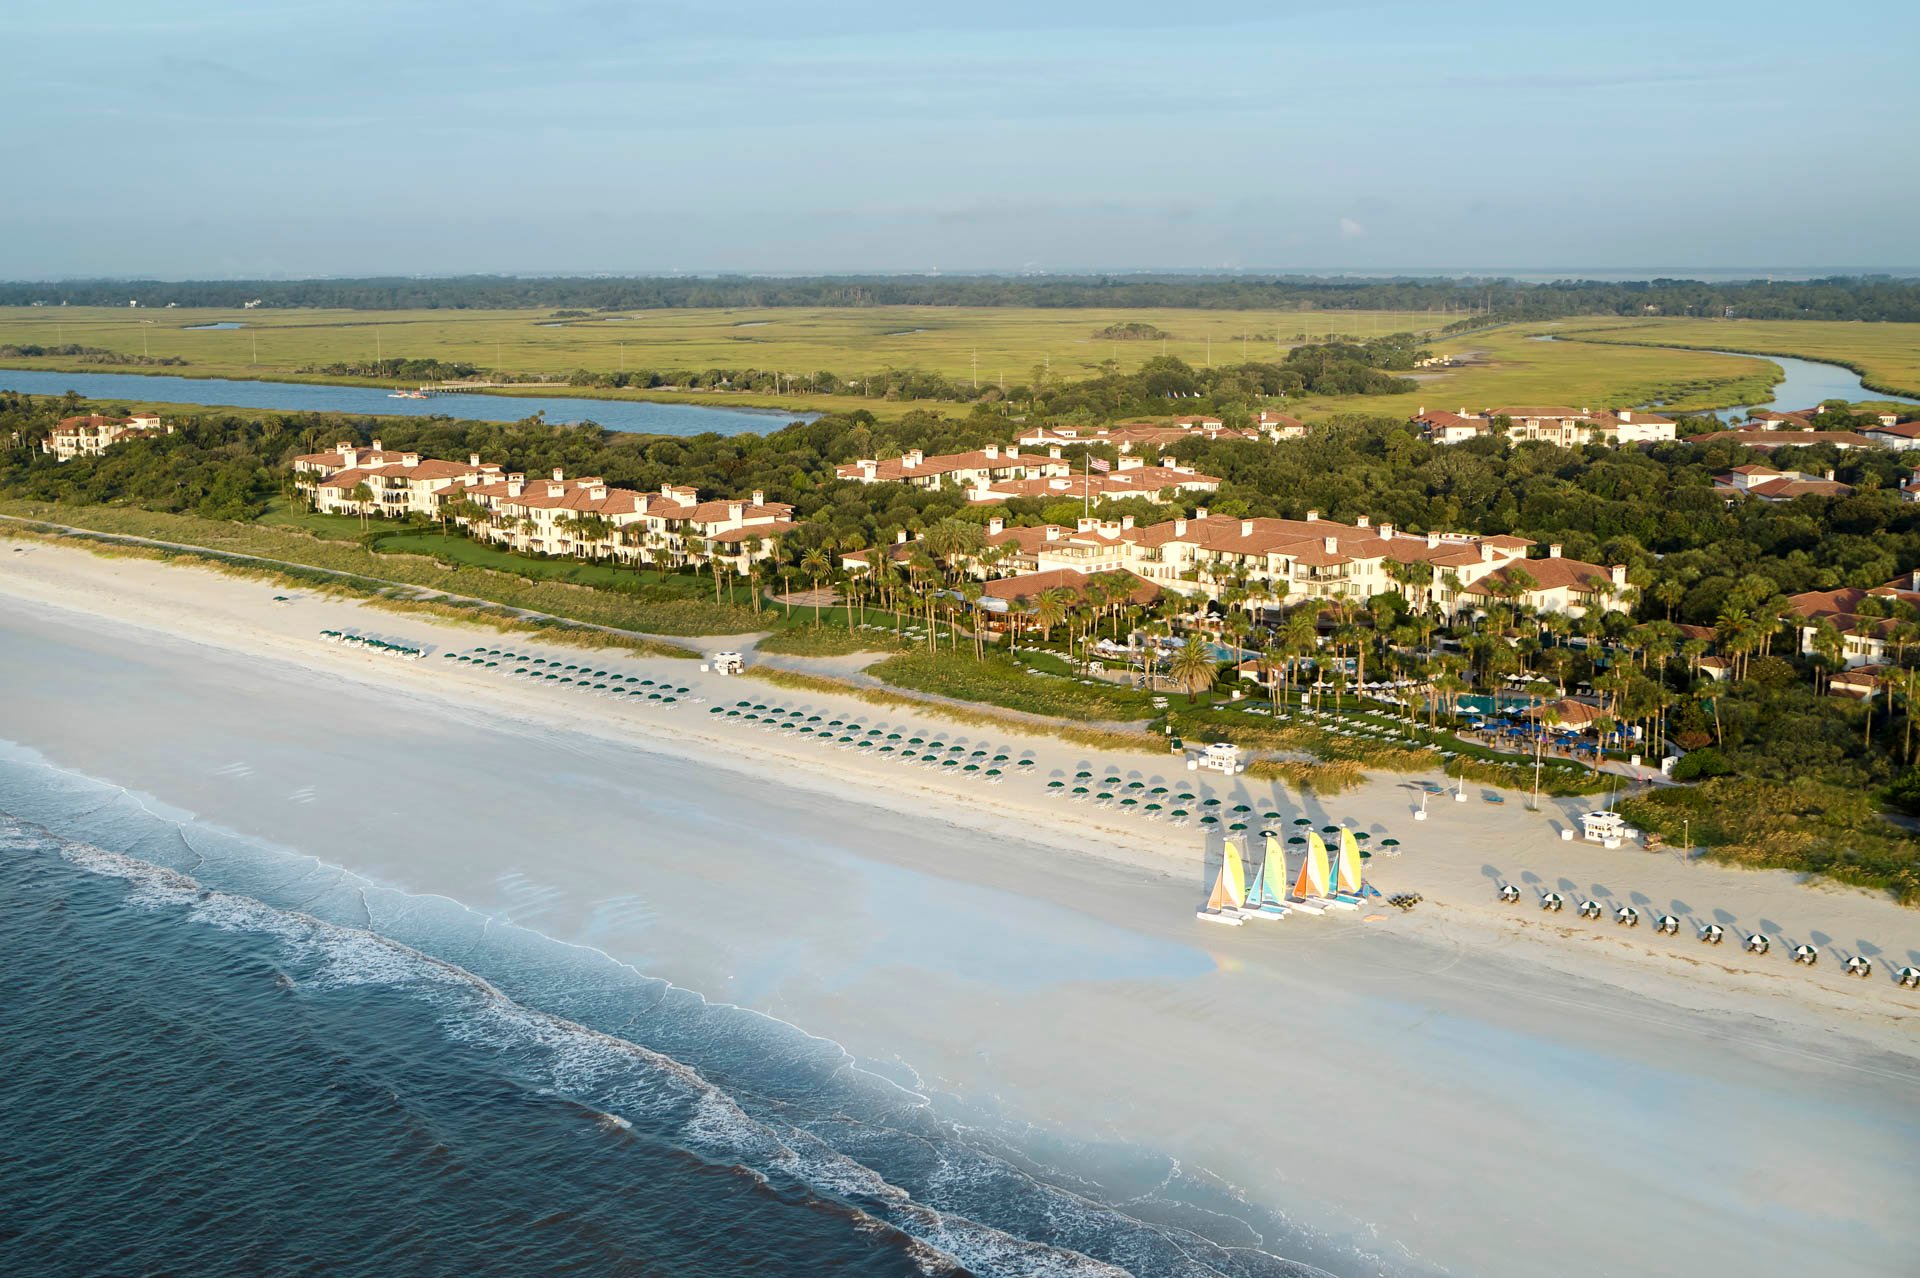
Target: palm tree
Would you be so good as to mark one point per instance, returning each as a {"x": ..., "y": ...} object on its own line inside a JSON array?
[
  {"x": 815, "y": 566},
  {"x": 1193, "y": 667},
  {"x": 362, "y": 497}
]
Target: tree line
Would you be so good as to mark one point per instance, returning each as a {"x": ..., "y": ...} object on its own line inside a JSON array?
[{"x": 1838, "y": 297}]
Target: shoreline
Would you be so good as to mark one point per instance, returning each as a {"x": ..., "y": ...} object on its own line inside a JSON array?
[
  {"x": 1026, "y": 961},
  {"x": 183, "y": 600}
]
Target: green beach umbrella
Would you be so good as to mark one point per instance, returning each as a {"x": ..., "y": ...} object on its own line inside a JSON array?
[
  {"x": 993, "y": 772},
  {"x": 1127, "y": 803},
  {"x": 1241, "y": 807},
  {"x": 1389, "y": 843},
  {"x": 1056, "y": 785},
  {"x": 1301, "y": 821},
  {"x": 1153, "y": 807},
  {"x": 972, "y": 767},
  {"x": 1136, "y": 785},
  {"x": 1023, "y": 763},
  {"x": 1269, "y": 816},
  {"x": 1179, "y": 812},
  {"x": 999, "y": 758},
  {"x": 1082, "y": 775},
  {"x": 1209, "y": 820},
  {"x": 1237, "y": 826},
  {"x": 1079, "y": 789},
  {"x": 1298, "y": 838},
  {"x": 1209, "y": 803}
]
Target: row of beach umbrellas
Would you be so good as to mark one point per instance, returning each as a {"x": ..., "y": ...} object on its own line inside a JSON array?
[
  {"x": 573, "y": 676},
  {"x": 976, "y": 763},
  {"x": 404, "y": 651}
]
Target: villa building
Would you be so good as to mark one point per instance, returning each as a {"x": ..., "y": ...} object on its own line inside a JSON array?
[
  {"x": 1279, "y": 562},
  {"x": 1764, "y": 438},
  {"x": 1563, "y": 427},
  {"x": 1131, "y": 478},
  {"x": 93, "y": 434},
  {"x": 581, "y": 517},
  {"x": 981, "y": 468},
  {"x": 1867, "y": 631},
  {"x": 1764, "y": 483}
]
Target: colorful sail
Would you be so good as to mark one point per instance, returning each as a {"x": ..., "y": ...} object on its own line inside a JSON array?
[
  {"x": 1349, "y": 862},
  {"x": 1269, "y": 886},
  {"x": 1229, "y": 888},
  {"x": 1313, "y": 870}
]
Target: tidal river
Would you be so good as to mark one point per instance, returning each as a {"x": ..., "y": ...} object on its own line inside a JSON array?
[{"x": 639, "y": 416}]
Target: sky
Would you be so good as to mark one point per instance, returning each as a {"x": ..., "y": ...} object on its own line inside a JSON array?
[{"x": 241, "y": 138}]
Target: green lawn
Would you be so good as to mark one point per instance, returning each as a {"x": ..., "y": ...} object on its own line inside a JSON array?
[{"x": 281, "y": 514}]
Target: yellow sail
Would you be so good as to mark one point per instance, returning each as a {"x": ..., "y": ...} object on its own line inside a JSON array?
[
  {"x": 1230, "y": 886},
  {"x": 1349, "y": 862},
  {"x": 1313, "y": 870}
]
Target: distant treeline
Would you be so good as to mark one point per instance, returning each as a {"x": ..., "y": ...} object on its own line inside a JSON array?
[
  {"x": 88, "y": 355},
  {"x": 1839, "y": 298}
]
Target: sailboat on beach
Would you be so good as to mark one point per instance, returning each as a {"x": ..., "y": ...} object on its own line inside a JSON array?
[
  {"x": 1310, "y": 889},
  {"x": 1266, "y": 895},
  {"x": 1349, "y": 889},
  {"x": 1229, "y": 890}
]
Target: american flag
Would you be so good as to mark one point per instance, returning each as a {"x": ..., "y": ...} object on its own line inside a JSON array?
[{"x": 1099, "y": 463}]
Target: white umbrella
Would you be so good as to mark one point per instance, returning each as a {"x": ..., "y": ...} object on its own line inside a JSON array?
[
  {"x": 1509, "y": 893},
  {"x": 1589, "y": 909},
  {"x": 1713, "y": 934},
  {"x": 1860, "y": 965},
  {"x": 1806, "y": 954},
  {"x": 1669, "y": 924},
  {"x": 1758, "y": 944},
  {"x": 1552, "y": 901},
  {"x": 1627, "y": 916},
  {"x": 1910, "y": 977}
]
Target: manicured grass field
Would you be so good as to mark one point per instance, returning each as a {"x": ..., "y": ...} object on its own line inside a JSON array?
[
  {"x": 1000, "y": 681},
  {"x": 1887, "y": 356}
]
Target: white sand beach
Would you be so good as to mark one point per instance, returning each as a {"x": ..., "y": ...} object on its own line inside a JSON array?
[{"x": 1471, "y": 1088}]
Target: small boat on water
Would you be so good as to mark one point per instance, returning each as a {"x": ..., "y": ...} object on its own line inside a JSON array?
[
  {"x": 1229, "y": 891},
  {"x": 1310, "y": 888},
  {"x": 406, "y": 394},
  {"x": 1266, "y": 897}
]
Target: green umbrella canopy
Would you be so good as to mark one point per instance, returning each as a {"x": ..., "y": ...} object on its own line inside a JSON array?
[
  {"x": 1153, "y": 807},
  {"x": 1179, "y": 812},
  {"x": 1104, "y": 794},
  {"x": 1056, "y": 785},
  {"x": 1389, "y": 843},
  {"x": 1079, "y": 789},
  {"x": 1329, "y": 829},
  {"x": 1209, "y": 803},
  {"x": 1082, "y": 776},
  {"x": 1158, "y": 789},
  {"x": 1301, "y": 821},
  {"x": 1209, "y": 820},
  {"x": 1136, "y": 785},
  {"x": 1269, "y": 816},
  {"x": 1241, "y": 807},
  {"x": 1127, "y": 803},
  {"x": 1298, "y": 838},
  {"x": 1237, "y": 826}
]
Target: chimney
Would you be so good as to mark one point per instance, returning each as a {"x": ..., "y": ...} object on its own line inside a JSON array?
[
  {"x": 992, "y": 451},
  {"x": 1332, "y": 545},
  {"x": 1624, "y": 414},
  {"x": 1179, "y": 527},
  {"x": 473, "y": 459},
  {"x": 1361, "y": 522},
  {"x": 1313, "y": 516},
  {"x": 734, "y": 511},
  {"x": 1433, "y": 541},
  {"x": 1053, "y": 532},
  {"x": 867, "y": 469},
  {"x": 1200, "y": 512},
  {"x": 516, "y": 484},
  {"x": 915, "y": 457},
  {"x": 1246, "y": 528},
  {"x": 996, "y": 526},
  {"x": 377, "y": 446},
  {"x": 556, "y": 490},
  {"x": 409, "y": 459},
  {"x": 598, "y": 492},
  {"x": 558, "y": 474},
  {"x": 900, "y": 538},
  {"x": 1462, "y": 412},
  {"x": 349, "y": 456},
  {"x": 1619, "y": 574},
  {"x": 759, "y": 497},
  {"x": 1084, "y": 524},
  {"x": 1553, "y": 551},
  {"x": 1486, "y": 553},
  {"x": 1054, "y": 453},
  {"x": 1013, "y": 450},
  {"x": 1126, "y": 522},
  {"x": 1386, "y": 532},
  {"x": 1829, "y": 474},
  {"x": 1422, "y": 411}
]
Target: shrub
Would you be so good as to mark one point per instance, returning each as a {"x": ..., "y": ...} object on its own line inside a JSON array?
[{"x": 1701, "y": 764}]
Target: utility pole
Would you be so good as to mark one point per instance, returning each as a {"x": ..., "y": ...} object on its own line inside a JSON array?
[{"x": 976, "y": 369}]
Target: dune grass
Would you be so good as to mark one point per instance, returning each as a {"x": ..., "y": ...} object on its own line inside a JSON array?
[
  {"x": 637, "y": 610},
  {"x": 492, "y": 617}
]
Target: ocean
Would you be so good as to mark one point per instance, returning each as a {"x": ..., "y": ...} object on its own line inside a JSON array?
[{"x": 221, "y": 1057}]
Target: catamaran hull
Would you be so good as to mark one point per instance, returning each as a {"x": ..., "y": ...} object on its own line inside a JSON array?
[
  {"x": 1227, "y": 918},
  {"x": 1338, "y": 904},
  {"x": 1307, "y": 907},
  {"x": 1268, "y": 912}
]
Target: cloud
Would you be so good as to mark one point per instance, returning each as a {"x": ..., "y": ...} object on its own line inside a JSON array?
[{"x": 1351, "y": 230}]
